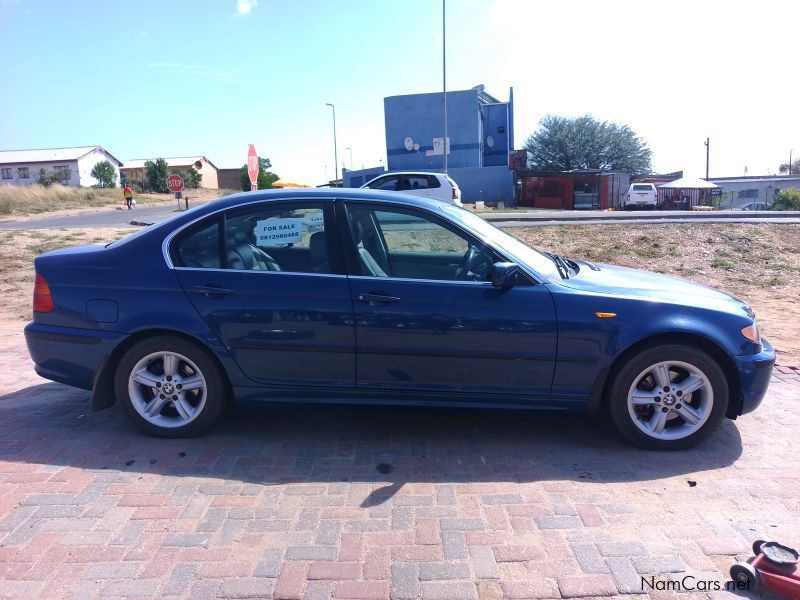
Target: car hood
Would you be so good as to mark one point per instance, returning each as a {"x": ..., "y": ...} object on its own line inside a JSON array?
[{"x": 653, "y": 287}]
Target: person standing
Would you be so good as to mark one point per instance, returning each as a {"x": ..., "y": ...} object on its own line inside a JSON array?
[{"x": 127, "y": 193}]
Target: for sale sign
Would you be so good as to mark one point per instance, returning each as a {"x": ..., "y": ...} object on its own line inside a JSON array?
[{"x": 278, "y": 232}]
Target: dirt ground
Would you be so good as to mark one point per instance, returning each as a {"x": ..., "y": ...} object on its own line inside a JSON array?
[{"x": 756, "y": 262}]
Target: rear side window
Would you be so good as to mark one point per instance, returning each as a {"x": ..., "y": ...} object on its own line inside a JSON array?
[
  {"x": 414, "y": 182},
  {"x": 199, "y": 247}
]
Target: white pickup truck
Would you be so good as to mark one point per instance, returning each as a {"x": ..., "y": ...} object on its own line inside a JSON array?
[{"x": 641, "y": 196}]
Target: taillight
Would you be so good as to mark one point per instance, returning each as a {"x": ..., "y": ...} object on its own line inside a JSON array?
[
  {"x": 456, "y": 194},
  {"x": 42, "y": 298}
]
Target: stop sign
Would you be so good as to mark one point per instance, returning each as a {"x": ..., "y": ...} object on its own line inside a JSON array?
[
  {"x": 175, "y": 183},
  {"x": 252, "y": 167}
]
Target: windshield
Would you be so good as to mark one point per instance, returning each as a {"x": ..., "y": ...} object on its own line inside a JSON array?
[{"x": 502, "y": 240}]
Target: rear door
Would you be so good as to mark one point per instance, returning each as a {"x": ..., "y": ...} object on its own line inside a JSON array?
[{"x": 268, "y": 280}]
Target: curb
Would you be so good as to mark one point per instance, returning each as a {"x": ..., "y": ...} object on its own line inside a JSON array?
[{"x": 641, "y": 216}]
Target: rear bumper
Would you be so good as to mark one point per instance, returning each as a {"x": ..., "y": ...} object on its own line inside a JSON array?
[
  {"x": 755, "y": 371},
  {"x": 69, "y": 355}
]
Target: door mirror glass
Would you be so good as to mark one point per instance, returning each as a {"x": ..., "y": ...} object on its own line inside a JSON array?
[{"x": 504, "y": 274}]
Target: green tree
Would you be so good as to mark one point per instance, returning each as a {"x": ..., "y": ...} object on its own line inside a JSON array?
[
  {"x": 788, "y": 199},
  {"x": 563, "y": 144},
  {"x": 784, "y": 168},
  {"x": 105, "y": 174},
  {"x": 155, "y": 173},
  {"x": 265, "y": 177}
]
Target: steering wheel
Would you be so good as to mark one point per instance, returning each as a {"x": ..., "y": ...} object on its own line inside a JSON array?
[{"x": 474, "y": 266}]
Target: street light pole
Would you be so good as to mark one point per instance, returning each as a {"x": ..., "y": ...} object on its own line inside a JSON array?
[
  {"x": 708, "y": 140},
  {"x": 790, "y": 160},
  {"x": 444, "y": 85},
  {"x": 335, "y": 151}
]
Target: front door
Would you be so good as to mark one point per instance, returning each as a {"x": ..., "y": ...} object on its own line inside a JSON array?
[
  {"x": 271, "y": 293},
  {"x": 428, "y": 319}
]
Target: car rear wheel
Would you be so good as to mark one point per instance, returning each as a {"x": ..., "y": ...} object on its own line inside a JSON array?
[
  {"x": 169, "y": 387},
  {"x": 668, "y": 397}
]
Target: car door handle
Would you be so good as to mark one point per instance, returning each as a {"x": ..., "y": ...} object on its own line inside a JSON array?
[
  {"x": 211, "y": 290},
  {"x": 375, "y": 299}
]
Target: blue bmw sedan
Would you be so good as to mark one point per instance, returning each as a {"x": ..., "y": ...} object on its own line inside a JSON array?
[{"x": 368, "y": 297}]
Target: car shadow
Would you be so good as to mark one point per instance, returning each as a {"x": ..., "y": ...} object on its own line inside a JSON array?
[{"x": 53, "y": 425}]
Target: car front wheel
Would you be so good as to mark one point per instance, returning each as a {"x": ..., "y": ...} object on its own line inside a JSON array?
[
  {"x": 668, "y": 397},
  {"x": 169, "y": 387}
]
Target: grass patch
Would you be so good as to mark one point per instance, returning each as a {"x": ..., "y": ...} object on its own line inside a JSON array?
[{"x": 720, "y": 262}]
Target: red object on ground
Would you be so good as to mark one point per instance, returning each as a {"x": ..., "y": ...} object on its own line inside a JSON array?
[
  {"x": 252, "y": 167},
  {"x": 175, "y": 183},
  {"x": 774, "y": 568}
]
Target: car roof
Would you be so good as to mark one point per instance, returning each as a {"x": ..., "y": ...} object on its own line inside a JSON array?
[{"x": 316, "y": 194}]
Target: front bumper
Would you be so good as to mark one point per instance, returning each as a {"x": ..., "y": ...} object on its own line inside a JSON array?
[
  {"x": 755, "y": 371},
  {"x": 69, "y": 355}
]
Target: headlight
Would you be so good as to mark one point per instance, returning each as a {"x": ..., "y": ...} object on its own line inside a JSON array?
[{"x": 751, "y": 332}]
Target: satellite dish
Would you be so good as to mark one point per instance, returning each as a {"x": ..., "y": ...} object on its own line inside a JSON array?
[
  {"x": 198, "y": 164},
  {"x": 490, "y": 141},
  {"x": 416, "y": 147},
  {"x": 408, "y": 143}
]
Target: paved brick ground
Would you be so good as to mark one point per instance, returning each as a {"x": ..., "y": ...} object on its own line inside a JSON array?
[{"x": 291, "y": 503}]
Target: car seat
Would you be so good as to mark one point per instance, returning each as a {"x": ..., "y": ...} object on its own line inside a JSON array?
[{"x": 246, "y": 256}]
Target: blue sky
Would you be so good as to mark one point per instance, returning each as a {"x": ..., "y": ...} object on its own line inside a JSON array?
[{"x": 173, "y": 78}]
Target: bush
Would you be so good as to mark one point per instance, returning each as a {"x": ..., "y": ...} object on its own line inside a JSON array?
[
  {"x": 47, "y": 178},
  {"x": 788, "y": 199}
]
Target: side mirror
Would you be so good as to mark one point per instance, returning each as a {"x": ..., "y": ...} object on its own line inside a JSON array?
[{"x": 504, "y": 274}]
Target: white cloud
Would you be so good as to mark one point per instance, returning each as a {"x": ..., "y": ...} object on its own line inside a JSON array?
[{"x": 243, "y": 7}]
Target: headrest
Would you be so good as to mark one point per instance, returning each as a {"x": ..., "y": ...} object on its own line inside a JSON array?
[{"x": 318, "y": 246}]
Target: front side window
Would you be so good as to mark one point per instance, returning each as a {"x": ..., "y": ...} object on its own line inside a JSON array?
[
  {"x": 385, "y": 183},
  {"x": 23, "y": 173},
  {"x": 408, "y": 244},
  {"x": 278, "y": 238}
]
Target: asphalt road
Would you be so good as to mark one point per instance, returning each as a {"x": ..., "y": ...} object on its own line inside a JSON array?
[
  {"x": 116, "y": 217},
  {"x": 113, "y": 217}
]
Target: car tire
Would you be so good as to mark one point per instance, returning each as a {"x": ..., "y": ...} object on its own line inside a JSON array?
[
  {"x": 169, "y": 387},
  {"x": 647, "y": 397}
]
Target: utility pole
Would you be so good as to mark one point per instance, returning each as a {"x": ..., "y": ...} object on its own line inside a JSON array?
[
  {"x": 444, "y": 85},
  {"x": 335, "y": 151},
  {"x": 790, "y": 160},
  {"x": 707, "y": 148}
]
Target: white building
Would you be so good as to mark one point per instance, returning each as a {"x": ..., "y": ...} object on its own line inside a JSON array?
[
  {"x": 738, "y": 191},
  {"x": 21, "y": 167}
]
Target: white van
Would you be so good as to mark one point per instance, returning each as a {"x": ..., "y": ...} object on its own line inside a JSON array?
[
  {"x": 429, "y": 185},
  {"x": 641, "y": 196}
]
